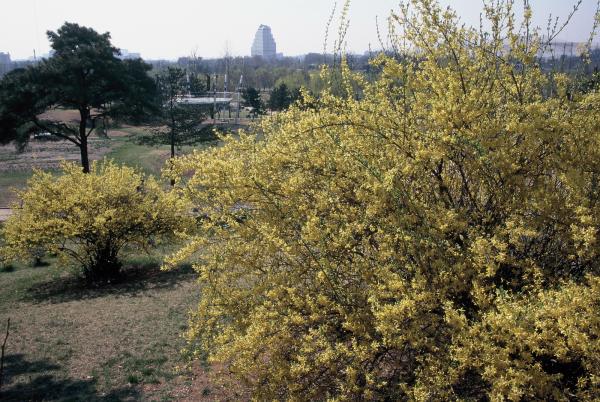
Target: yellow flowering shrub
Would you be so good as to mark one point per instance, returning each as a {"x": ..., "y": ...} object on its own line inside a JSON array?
[
  {"x": 431, "y": 235},
  {"x": 90, "y": 218}
]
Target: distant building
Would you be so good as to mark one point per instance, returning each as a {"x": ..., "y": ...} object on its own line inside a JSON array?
[
  {"x": 126, "y": 55},
  {"x": 562, "y": 49},
  {"x": 556, "y": 49},
  {"x": 5, "y": 63},
  {"x": 264, "y": 44}
]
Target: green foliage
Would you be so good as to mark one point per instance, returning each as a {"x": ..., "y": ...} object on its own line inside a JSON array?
[
  {"x": 139, "y": 103},
  {"x": 90, "y": 218},
  {"x": 197, "y": 136},
  {"x": 590, "y": 82},
  {"x": 430, "y": 235},
  {"x": 253, "y": 100},
  {"x": 197, "y": 85},
  {"x": 183, "y": 120},
  {"x": 295, "y": 80},
  {"x": 281, "y": 97},
  {"x": 13, "y": 125}
]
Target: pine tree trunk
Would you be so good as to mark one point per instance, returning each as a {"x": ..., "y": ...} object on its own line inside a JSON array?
[
  {"x": 83, "y": 144},
  {"x": 172, "y": 145},
  {"x": 85, "y": 161}
]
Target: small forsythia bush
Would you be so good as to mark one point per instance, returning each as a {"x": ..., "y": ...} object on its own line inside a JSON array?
[
  {"x": 428, "y": 235},
  {"x": 90, "y": 218}
]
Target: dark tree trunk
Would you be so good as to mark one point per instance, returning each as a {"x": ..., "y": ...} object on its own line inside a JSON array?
[
  {"x": 104, "y": 266},
  {"x": 83, "y": 144},
  {"x": 85, "y": 161},
  {"x": 172, "y": 145},
  {"x": 173, "y": 140}
]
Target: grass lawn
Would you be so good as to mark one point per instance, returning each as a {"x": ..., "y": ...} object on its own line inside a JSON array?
[
  {"x": 120, "y": 342},
  {"x": 8, "y": 182},
  {"x": 149, "y": 160}
]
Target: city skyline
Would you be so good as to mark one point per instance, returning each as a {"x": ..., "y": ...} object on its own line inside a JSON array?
[{"x": 158, "y": 31}]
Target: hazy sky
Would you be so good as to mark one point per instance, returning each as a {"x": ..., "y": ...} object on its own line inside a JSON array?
[{"x": 172, "y": 28}]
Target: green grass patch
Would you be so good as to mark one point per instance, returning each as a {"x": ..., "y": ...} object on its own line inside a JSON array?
[
  {"x": 149, "y": 160},
  {"x": 10, "y": 180},
  {"x": 146, "y": 156}
]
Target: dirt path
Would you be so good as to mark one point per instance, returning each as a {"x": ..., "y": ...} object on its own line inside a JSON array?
[{"x": 5, "y": 213}]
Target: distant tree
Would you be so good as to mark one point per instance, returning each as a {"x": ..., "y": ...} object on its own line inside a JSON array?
[
  {"x": 139, "y": 104},
  {"x": 197, "y": 84},
  {"x": 183, "y": 120},
  {"x": 280, "y": 98},
  {"x": 295, "y": 95},
  {"x": 315, "y": 60},
  {"x": 171, "y": 86},
  {"x": 295, "y": 79},
  {"x": 17, "y": 98},
  {"x": 252, "y": 99},
  {"x": 84, "y": 74}
]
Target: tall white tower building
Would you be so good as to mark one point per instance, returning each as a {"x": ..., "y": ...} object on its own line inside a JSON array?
[
  {"x": 4, "y": 58},
  {"x": 264, "y": 44}
]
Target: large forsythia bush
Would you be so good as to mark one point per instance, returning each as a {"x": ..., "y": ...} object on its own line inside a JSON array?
[
  {"x": 90, "y": 218},
  {"x": 431, "y": 235}
]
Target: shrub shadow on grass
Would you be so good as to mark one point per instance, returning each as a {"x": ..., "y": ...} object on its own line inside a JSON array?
[
  {"x": 43, "y": 385},
  {"x": 7, "y": 268},
  {"x": 136, "y": 277}
]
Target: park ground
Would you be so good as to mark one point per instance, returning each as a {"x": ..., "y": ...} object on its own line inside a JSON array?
[{"x": 120, "y": 342}]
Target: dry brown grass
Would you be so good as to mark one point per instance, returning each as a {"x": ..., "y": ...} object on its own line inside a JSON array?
[
  {"x": 63, "y": 115},
  {"x": 47, "y": 154}
]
